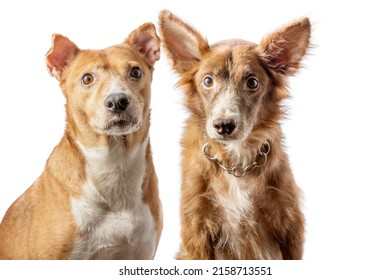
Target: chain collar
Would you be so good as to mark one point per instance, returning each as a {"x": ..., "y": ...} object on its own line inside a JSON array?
[{"x": 240, "y": 171}]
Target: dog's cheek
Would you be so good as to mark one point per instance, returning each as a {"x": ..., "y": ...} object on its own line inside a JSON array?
[
  {"x": 193, "y": 99},
  {"x": 251, "y": 119},
  {"x": 195, "y": 104},
  {"x": 269, "y": 112},
  {"x": 203, "y": 100},
  {"x": 84, "y": 105},
  {"x": 253, "y": 105},
  {"x": 145, "y": 91},
  {"x": 138, "y": 108}
]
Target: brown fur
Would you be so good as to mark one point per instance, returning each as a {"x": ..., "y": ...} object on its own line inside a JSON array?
[
  {"x": 272, "y": 225},
  {"x": 40, "y": 224}
]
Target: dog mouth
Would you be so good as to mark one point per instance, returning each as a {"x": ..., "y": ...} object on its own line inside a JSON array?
[
  {"x": 225, "y": 140},
  {"x": 221, "y": 138},
  {"x": 122, "y": 124},
  {"x": 118, "y": 123}
]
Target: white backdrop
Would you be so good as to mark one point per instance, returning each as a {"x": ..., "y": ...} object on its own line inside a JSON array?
[{"x": 337, "y": 133}]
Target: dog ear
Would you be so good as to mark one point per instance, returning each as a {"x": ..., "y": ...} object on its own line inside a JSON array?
[
  {"x": 284, "y": 49},
  {"x": 183, "y": 43},
  {"x": 62, "y": 52},
  {"x": 146, "y": 41}
]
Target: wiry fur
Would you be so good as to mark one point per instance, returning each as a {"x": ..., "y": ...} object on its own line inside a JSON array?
[{"x": 257, "y": 216}]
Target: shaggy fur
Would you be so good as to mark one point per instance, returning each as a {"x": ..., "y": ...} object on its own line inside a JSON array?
[{"x": 256, "y": 216}]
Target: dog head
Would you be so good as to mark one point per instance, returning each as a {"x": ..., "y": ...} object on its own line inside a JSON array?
[
  {"x": 107, "y": 91},
  {"x": 234, "y": 85}
]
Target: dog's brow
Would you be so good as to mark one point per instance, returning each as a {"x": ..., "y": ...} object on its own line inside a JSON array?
[
  {"x": 131, "y": 64},
  {"x": 102, "y": 67},
  {"x": 225, "y": 71}
]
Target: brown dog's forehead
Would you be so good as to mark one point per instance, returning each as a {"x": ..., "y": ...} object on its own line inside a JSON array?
[{"x": 230, "y": 56}]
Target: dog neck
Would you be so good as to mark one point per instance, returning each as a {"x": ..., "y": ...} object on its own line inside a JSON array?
[
  {"x": 236, "y": 159},
  {"x": 115, "y": 170}
]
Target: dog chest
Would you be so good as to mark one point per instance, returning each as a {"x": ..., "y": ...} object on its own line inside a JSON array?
[
  {"x": 236, "y": 206},
  {"x": 106, "y": 234},
  {"x": 240, "y": 234},
  {"x": 113, "y": 220}
]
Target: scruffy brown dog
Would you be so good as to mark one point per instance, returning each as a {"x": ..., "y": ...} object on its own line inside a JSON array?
[{"x": 239, "y": 198}]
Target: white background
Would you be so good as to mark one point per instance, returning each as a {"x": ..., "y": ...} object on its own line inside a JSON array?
[{"x": 336, "y": 134}]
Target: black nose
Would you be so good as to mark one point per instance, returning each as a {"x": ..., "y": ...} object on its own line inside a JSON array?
[
  {"x": 224, "y": 126},
  {"x": 117, "y": 102}
]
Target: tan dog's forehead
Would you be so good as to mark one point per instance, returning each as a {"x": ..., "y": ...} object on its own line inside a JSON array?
[{"x": 114, "y": 59}]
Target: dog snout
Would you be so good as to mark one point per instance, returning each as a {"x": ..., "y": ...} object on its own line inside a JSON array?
[
  {"x": 117, "y": 102},
  {"x": 224, "y": 126}
]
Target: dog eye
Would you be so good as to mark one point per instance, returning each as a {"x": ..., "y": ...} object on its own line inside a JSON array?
[
  {"x": 136, "y": 72},
  {"x": 87, "y": 79},
  {"x": 252, "y": 83},
  {"x": 208, "y": 81}
]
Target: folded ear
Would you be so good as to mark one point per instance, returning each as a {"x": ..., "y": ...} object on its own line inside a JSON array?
[
  {"x": 284, "y": 49},
  {"x": 183, "y": 43},
  {"x": 145, "y": 39},
  {"x": 62, "y": 52}
]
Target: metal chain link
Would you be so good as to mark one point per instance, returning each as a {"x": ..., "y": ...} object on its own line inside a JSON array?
[{"x": 239, "y": 171}]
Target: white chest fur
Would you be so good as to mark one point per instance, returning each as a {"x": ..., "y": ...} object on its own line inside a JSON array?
[
  {"x": 114, "y": 221},
  {"x": 237, "y": 205}
]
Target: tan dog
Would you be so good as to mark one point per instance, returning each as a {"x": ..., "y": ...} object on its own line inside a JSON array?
[
  {"x": 239, "y": 199},
  {"x": 97, "y": 197}
]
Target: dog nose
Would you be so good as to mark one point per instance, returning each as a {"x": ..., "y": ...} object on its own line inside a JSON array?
[
  {"x": 117, "y": 102},
  {"x": 224, "y": 126}
]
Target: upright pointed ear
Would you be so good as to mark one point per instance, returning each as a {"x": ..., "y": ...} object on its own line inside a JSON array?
[
  {"x": 284, "y": 49},
  {"x": 183, "y": 44},
  {"x": 62, "y": 52},
  {"x": 146, "y": 41}
]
